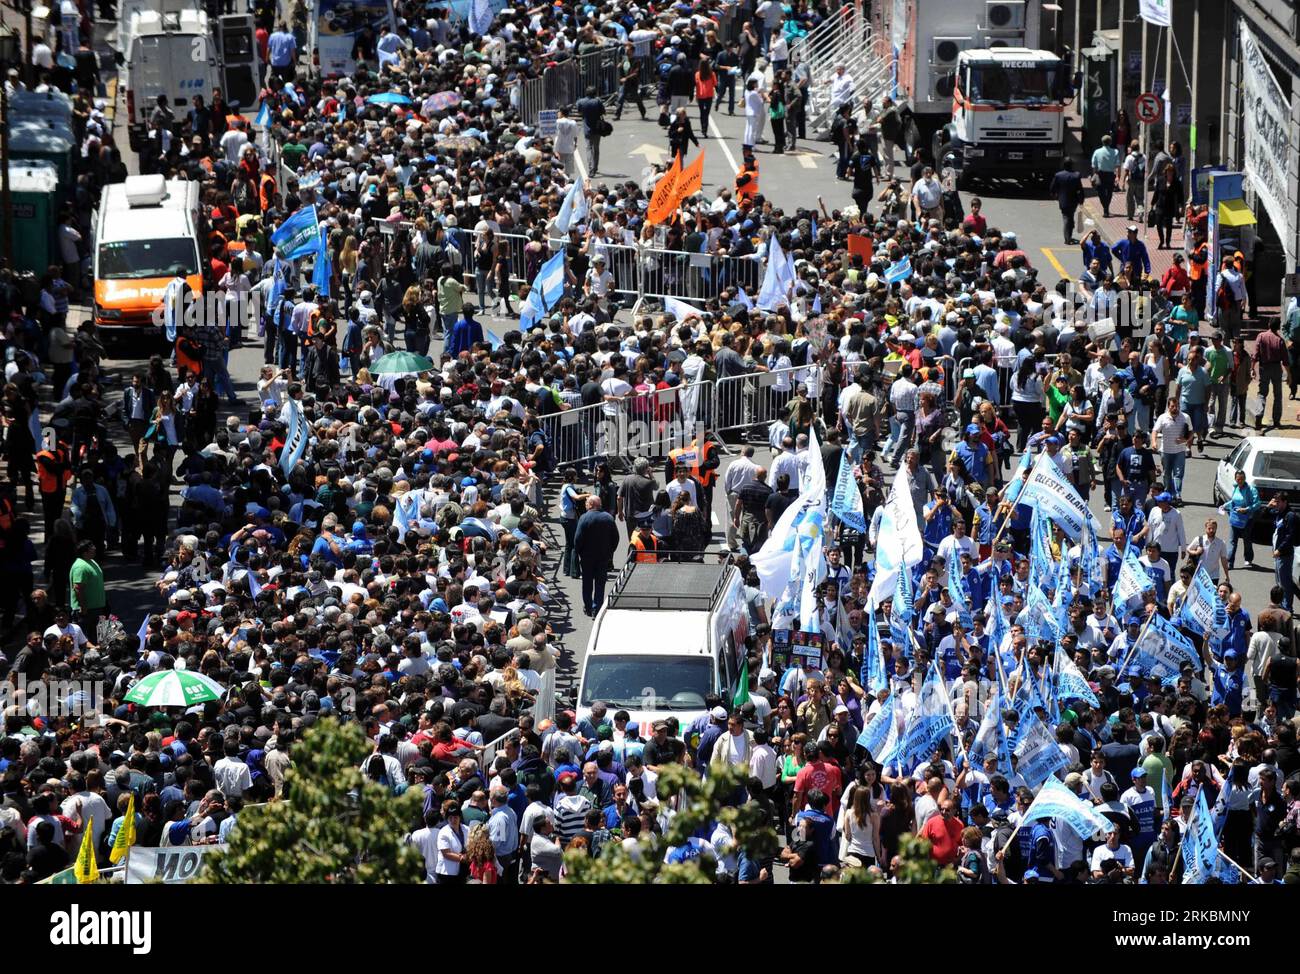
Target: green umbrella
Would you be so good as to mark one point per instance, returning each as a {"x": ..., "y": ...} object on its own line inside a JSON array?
[
  {"x": 174, "y": 688},
  {"x": 397, "y": 363}
]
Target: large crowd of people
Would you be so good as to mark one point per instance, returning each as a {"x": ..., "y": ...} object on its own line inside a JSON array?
[{"x": 381, "y": 547}]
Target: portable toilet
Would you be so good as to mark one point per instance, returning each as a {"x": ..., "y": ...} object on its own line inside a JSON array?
[
  {"x": 44, "y": 139},
  {"x": 34, "y": 213}
]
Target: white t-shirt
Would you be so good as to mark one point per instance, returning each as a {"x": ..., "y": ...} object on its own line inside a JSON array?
[
  {"x": 1103, "y": 854},
  {"x": 427, "y": 842},
  {"x": 449, "y": 840},
  {"x": 232, "y": 777}
]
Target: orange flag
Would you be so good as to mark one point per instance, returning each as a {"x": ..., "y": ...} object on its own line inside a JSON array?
[
  {"x": 692, "y": 179},
  {"x": 664, "y": 200},
  {"x": 860, "y": 244}
]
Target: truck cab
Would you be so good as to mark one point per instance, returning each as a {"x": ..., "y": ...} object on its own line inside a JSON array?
[{"x": 1008, "y": 115}]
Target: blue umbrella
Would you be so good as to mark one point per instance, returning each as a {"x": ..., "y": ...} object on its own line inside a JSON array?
[{"x": 388, "y": 98}]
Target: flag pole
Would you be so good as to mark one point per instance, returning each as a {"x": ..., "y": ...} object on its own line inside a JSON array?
[{"x": 1240, "y": 868}]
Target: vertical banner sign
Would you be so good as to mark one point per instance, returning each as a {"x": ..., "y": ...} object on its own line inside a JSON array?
[{"x": 1271, "y": 157}]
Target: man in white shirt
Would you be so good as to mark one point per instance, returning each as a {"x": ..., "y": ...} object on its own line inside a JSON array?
[
  {"x": 426, "y": 840},
  {"x": 91, "y": 807},
  {"x": 1172, "y": 435},
  {"x": 231, "y": 774},
  {"x": 841, "y": 88},
  {"x": 566, "y": 142},
  {"x": 1165, "y": 530},
  {"x": 233, "y": 142},
  {"x": 927, "y": 195},
  {"x": 1212, "y": 551}
]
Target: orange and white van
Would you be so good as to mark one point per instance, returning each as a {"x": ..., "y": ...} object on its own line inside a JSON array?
[{"x": 147, "y": 229}]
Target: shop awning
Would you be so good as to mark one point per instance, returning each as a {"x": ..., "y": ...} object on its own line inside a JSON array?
[{"x": 1235, "y": 213}]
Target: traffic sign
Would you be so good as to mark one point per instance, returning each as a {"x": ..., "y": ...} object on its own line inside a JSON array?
[{"x": 1148, "y": 107}]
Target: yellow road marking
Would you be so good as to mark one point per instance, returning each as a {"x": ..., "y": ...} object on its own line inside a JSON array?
[{"x": 1051, "y": 259}]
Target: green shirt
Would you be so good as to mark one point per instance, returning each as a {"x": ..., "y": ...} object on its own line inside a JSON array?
[
  {"x": 1220, "y": 362},
  {"x": 291, "y": 154},
  {"x": 90, "y": 577}
]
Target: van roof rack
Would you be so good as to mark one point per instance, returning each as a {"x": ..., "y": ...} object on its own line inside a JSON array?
[{"x": 670, "y": 586}]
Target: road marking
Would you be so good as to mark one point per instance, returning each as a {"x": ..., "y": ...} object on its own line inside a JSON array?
[
  {"x": 717, "y": 134},
  {"x": 1051, "y": 259},
  {"x": 652, "y": 153},
  {"x": 807, "y": 161},
  {"x": 582, "y": 166}
]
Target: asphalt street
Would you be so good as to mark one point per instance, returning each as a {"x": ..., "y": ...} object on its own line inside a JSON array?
[{"x": 790, "y": 180}]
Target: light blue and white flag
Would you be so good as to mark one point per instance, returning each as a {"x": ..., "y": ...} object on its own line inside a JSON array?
[
  {"x": 545, "y": 294},
  {"x": 295, "y": 443},
  {"x": 899, "y": 271},
  {"x": 873, "y": 676},
  {"x": 254, "y": 586},
  {"x": 1048, "y": 490},
  {"x": 1042, "y": 564},
  {"x": 781, "y": 561},
  {"x": 931, "y": 721},
  {"x": 899, "y": 541},
  {"x": 846, "y": 499},
  {"x": 143, "y": 634},
  {"x": 1200, "y": 844},
  {"x": 1070, "y": 682},
  {"x": 989, "y": 738},
  {"x": 960, "y": 601},
  {"x": 1202, "y": 610},
  {"x": 1131, "y": 582},
  {"x": 1037, "y": 755},
  {"x": 299, "y": 235},
  {"x": 1017, "y": 482},
  {"x": 323, "y": 271},
  {"x": 1090, "y": 580},
  {"x": 480, "y": 17},
  {"x": 574, "y": 208},
  {"x": 1057, "y": 801},
  {"x": 407, "y": 511},
  {"x": 743, "y": 298},
  {"x": 880, "y": 736},
  {"x": 1162, "y": 649}
]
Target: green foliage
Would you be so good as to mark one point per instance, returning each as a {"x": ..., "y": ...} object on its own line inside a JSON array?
[
  {"x": 916, "y": 866},
  {"x": 704, "y": 803},
  {"x": 336, "y": 827}
]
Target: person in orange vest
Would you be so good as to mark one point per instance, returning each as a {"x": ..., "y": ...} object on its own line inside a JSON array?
[
  {"x": 642, "y": 545},
  {"x": 1198, "y": 271},
  {"x": 747, "y": 177},
  {"x": 266, "y": 187},
  {"x": 701, "y": 459},
  {"x": 53, "y": 471}
]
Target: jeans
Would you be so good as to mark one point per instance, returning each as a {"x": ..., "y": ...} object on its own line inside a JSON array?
[
  {"x": 906, "y": 433},
  {"x": 1219, "y": 404},
  {"x": 1105, "y": 183},
  {"x": 593, "y": 587},
  {"x": 727, "y": 86},
  {"x": 1236, "y": 534},
  {"x": 630, "y": 93},
  {"x": 481, "y": 286},
  {"x": 1282, "y": 573},
  {"x": 289, "y": 350},
  {"x": 1175, "y": 464},
  {"x": 706, "y": 106},
  {"x": 220, "y": 375}
]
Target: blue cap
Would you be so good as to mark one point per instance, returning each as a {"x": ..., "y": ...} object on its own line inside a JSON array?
[
  {"x": 1231, "y": 654},
  {"x": 1138, "y": 772},
  {"x": 1055, "y": 440},
  {"x": 1164, "y": 497},
  {"x": 468, "y": 482},
  {"x": 973, "y": 429},
  {"x": 1133, "y": 621}
]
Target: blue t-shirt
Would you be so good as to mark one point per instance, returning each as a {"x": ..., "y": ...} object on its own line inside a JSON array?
[
  {"x": 281, "y": 49},
  {"x": 822, "y": 832}
]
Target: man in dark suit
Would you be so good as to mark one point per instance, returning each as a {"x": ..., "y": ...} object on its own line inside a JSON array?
[
  {"x": 595, "y": 540},
  {"x": 1067, "y": 187}
]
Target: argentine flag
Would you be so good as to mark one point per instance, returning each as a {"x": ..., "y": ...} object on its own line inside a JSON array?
[{"x": 547, "y": 289}]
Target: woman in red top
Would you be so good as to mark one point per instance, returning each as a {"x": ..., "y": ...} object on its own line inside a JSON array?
[
  {"x": 706, "y": 83},
  {"x": 1175, "y": 282}
]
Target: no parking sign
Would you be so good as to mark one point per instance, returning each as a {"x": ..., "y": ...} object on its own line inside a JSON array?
[{"x": 1147, "y": 107}]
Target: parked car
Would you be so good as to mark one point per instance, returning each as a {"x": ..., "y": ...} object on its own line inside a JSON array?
[{"x": 1272, "y": 465}]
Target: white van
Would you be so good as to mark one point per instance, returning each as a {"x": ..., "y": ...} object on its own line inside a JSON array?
[
  {"x": 126, "y": 9},
  {"x": 145, "y": 228},
  {"x": 667, "y": 635},
  {"x": 170, "y": 54}
]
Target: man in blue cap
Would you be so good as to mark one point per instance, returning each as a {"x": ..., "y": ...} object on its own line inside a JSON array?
[
  {"x": 1165, "y": 530},
  {"x": 976, "y": 457}
]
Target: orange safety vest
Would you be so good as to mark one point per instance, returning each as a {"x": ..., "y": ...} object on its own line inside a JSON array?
[
  {"x": 747, "y": 189},
  {"x": 694, "y": 456},
  {"x": 52, "y": 470},
  {"x": 645, "y": 546},
  {"x": 266, "y": 191}
]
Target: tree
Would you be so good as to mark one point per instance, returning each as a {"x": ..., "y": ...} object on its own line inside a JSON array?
[
  {"x": 915, "y": 866},
  {"x": 705, "y": 801},
  {"x": 337, "y": 827}
]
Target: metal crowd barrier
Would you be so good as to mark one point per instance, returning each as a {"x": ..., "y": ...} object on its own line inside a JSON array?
[
  {"x": 741, "y": 402},
  {"x": 575, "y": 434}
]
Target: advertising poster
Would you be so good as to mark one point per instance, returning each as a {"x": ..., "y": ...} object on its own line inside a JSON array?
[{"x": 337, "y": 26}]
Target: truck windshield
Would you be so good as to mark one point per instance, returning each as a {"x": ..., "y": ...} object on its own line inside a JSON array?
[
  {"x": 126, "y": 260},
  {"x": 1009, "y": 84},
  {"x": 640, "y": 682}
]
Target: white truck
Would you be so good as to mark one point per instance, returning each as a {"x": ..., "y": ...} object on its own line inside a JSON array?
[
  {"x": 180, "y": 54},
  {"x": 667, "y": 635},
  {"x": 1008, "y": 115}
]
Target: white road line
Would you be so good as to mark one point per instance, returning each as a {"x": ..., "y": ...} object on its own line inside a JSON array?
[
  {"x": 808, "y": 162},
  {"x": 717, "y": 134},
  {"x": 577, "y": 157}
]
